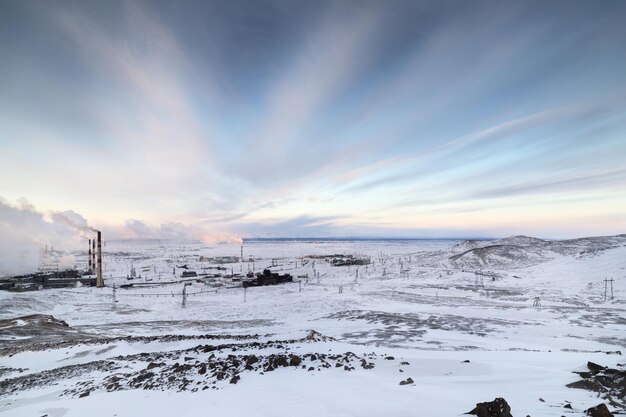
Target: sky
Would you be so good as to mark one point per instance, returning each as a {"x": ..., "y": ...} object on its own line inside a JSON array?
[{"x": 228, "y": 119}]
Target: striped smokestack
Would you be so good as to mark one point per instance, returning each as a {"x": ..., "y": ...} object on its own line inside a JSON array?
[
  {"x": 99, "y": 281},
  {"x": 93, "y": 254},
  {"x": 90, "y": 265}
]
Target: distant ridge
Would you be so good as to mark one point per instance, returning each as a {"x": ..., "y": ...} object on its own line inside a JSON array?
[{"x": 361, "y": 238}]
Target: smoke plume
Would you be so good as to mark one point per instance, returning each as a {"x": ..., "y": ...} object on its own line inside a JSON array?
[{"x": 24, "y": 231}]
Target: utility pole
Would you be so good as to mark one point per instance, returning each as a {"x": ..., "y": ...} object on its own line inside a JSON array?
[
  {"x": 606, "y": 287},
  {"x": 611, "y": 288}
]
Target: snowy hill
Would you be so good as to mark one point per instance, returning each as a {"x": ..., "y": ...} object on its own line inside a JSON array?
[
  {"x": 522, "y": 251},
  {"x": 499, "y": 257}
]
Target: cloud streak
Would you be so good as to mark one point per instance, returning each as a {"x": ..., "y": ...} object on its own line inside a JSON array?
[{"x": 259, "y": 118}]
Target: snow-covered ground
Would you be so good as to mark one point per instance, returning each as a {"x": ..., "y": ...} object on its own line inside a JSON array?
[{"x": 525, "y": 313}]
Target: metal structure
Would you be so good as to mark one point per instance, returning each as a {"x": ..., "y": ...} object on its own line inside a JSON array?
[{"x": 266, "y": 278}]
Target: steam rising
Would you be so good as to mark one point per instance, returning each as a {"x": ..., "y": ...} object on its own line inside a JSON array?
[
  {"x": 24, "y": 231},
  {"x": 73, "y": 220}
]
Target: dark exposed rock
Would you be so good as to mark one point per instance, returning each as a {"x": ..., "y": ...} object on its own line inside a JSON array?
[
  {"x": 281, "y": 360},
  {"x": 314, "y": 336},
  {"x": 599, "y": 410},
  {"x": 173, "y": 372},
  {"x": 406, "y": 381},
  {"x": 609, "y": 383},
  {"x": 366, "y": 365},
  {"x": 153, "y": 365},
  {"x": 141, "y": 378},
  {"x": 8, "y": 370},
  {"x": 51, "y": 322},
  {"x": 496, "y": 408},
  {"x": 84, "y": 394},
  {"x": 587, "y": 384},
  {"x": 594, "y": 367}
]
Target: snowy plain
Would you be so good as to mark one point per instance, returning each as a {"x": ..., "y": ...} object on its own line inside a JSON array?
[{"x": 466, "y": 321}]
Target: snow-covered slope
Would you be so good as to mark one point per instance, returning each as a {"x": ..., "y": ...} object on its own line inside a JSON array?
[{"x": 523, "y": 251}]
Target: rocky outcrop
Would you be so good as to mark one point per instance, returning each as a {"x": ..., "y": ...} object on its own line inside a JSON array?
[
  {"x": 599, "y": 410},
  {"x": 609, "y": 383},
  {"x": 496, "y": 408}
]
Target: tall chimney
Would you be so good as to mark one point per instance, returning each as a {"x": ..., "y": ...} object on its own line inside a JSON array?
[
  {"x": 99, "y": 282},
  {"x": 90, "y": 265},
  {"x": 93, "y": 254}
]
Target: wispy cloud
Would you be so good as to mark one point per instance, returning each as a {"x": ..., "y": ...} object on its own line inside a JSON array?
[
  {"x": 417, "y": 161},
  {"x": 137, "y": 229},
  {"x": 320, "y": 69},
  {"x": 264, "y": 118}
]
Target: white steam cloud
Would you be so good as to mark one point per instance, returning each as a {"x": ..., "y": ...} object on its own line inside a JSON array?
[{"x": 24, "y": 231}]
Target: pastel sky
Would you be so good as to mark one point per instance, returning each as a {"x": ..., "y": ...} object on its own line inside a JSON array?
[{"x": 317, "y": 118}]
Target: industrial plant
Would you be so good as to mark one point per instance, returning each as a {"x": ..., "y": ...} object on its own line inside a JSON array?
[{"x": 49, "y": 276}]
